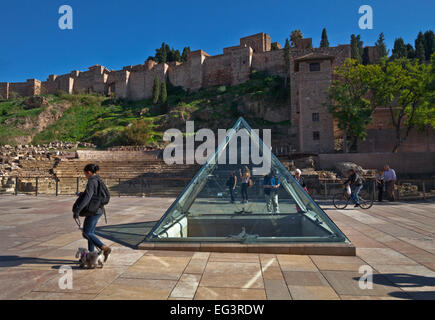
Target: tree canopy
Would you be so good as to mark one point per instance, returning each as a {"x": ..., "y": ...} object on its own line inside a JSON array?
[
  {"x": 403, "y": 86},
  {"x": 295, "y": 36}
]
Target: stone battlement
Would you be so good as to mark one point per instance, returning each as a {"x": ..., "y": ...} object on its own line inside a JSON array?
[{"x": 200, "y": 70}]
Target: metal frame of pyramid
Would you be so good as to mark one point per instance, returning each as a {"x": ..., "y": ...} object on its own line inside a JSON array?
[{"x": 181, "y": 206}]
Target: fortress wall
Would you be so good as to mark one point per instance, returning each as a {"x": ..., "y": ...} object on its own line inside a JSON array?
[
  {"x": 241, "y": 61},
  {"x": 92, "y": 80},
  {"x": 136, "y": 85},
  {"x": 217, "y": 71},
  {"x": 99, "y": 84},
  {"x": 158, "y": 71},
  {"x": 20, "y": 88},
  {"x": 259, "y": 42},
  {"x": 179, "y": 75},
  {"x": 4, "y": 90},
  {"x": 270, "y": 61},
  {"x": 34, "y": 87},
  {"x": 66, "y": 84},
  {"x": 84, "y": 82},
  {"x": 117, "y": 82},
  {"x": 197, "y": 59},
  {"x": 50, "y": 87},
  {"x": 383, "y": 140},
  {"x": 141, "y": 83}
]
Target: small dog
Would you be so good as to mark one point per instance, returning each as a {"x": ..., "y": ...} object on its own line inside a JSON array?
[{"x": 90, "y": 260}]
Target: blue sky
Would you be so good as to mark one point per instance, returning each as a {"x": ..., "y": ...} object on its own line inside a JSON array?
[{"x": 117, "y": 33}]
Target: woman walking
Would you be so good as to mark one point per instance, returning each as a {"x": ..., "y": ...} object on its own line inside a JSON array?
[{"x": 92, "y": 191}]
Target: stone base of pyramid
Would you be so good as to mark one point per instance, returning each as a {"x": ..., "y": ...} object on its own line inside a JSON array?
[{"x": 329, "y": 249}]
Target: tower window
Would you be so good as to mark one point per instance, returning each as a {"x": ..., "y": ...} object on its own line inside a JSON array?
[
  {"x": 315, "y": 116},
  {"x": 314, "y": 66},
  {"x": 316, "y": 135}
]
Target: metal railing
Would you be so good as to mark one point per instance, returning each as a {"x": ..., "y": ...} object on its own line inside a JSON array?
[
  {"x": 405, "y": 189},
  {"x": 56, "y": 186}
]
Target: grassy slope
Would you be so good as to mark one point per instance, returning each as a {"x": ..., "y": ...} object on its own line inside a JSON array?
[{"x": 101, "y": 119}]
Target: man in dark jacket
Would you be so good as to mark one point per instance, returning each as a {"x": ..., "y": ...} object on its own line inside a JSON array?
[{"x": 356, "y": 185}]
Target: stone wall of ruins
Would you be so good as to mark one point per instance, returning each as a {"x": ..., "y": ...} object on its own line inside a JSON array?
[
  {"x": 308, "y": 88},
  {"x": 136, "y": 82}
]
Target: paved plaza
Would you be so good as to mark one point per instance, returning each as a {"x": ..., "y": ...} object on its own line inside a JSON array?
[{"x": 38, "y": 236}]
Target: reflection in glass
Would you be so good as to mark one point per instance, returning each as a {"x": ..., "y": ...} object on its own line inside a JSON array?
[{"x": 205, "y": 212}]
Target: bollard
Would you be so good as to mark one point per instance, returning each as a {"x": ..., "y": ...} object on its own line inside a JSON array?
[
  {"x": 374, "y": 190},
  {"x": 77, "y": 185},
  {"x": 326, "y": 190},
  {"x": 36, "y": 186},
  {"x": 57, "y": 187},
  {"x": 16, "y": 186},
  {"x": 423, "y": 186},
  {"x": 119, "y": 187}
]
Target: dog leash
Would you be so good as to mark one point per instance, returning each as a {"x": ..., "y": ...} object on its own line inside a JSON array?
[{"x": 77, "y": 220}]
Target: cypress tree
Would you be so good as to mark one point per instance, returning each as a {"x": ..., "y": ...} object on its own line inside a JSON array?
[
  {"x": 295, "y": 36},
  {"x": 156, "y": 90},
  {"x": 185, "y": 53},
  {"x": 399, "y": 49},
  {"x": 163, "y": 93},
  {"x": 287, "y": 59},
  {"x": 355, "y": 45},
  {"x": 324, "y": 43},
  {"x": 177, "y": 55},
  {"x": 365, "y": 56},
  {"x": 381, "y": 46},
  {"x": 420, "y": 53},
  {"x": 429, "y": 43},
  {"x": 411, "y": 52},
  {"x": 162, "y": 54}
]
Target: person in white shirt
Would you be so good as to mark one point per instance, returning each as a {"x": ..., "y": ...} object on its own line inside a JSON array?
[{"x": 390, "y": 179}]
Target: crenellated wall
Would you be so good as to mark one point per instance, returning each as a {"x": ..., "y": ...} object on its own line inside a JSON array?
[
  {"x": 311, "y": 128},
  {"x": 200, "y": 70}
]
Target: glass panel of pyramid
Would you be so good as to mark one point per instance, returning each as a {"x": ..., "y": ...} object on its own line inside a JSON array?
[{"x": 284, "y": 213}]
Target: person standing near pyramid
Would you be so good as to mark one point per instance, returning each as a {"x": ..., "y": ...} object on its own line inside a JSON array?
[
  {"x": 231, "y": 184},
  {"x": 245, "y": 175},
  {"x": 271, "y": 185}
]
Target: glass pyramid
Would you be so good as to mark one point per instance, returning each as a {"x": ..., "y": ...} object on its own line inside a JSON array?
[{"x": 204, "y": 211}]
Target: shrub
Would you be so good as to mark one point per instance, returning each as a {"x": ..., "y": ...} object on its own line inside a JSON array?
[{"x": 138, "y": 133}]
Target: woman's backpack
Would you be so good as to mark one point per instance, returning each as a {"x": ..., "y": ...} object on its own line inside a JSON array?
[{"x": 98, "y": 200}]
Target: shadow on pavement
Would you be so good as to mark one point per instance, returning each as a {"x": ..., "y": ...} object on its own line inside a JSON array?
[
  {"x": 129, "y": 234},
  {"x": 16, "y": 261},
  {"x": 405, "y": 280}
]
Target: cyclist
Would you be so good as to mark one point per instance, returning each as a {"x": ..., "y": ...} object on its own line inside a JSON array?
[{"x": 356, "y": 184}]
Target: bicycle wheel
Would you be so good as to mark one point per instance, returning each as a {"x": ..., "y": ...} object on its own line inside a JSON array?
[
  {"x": 366, "y": 200},
  {"x": 340, "y": 200}
]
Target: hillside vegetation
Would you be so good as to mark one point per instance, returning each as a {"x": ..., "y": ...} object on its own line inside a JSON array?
[{"x": 107, "y": 121}]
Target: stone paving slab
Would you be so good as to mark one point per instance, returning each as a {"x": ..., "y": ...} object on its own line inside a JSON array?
[{"x": 36, "y": 239}]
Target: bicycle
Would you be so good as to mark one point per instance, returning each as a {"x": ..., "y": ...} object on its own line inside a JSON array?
[{"x": 341, "y": 199}]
